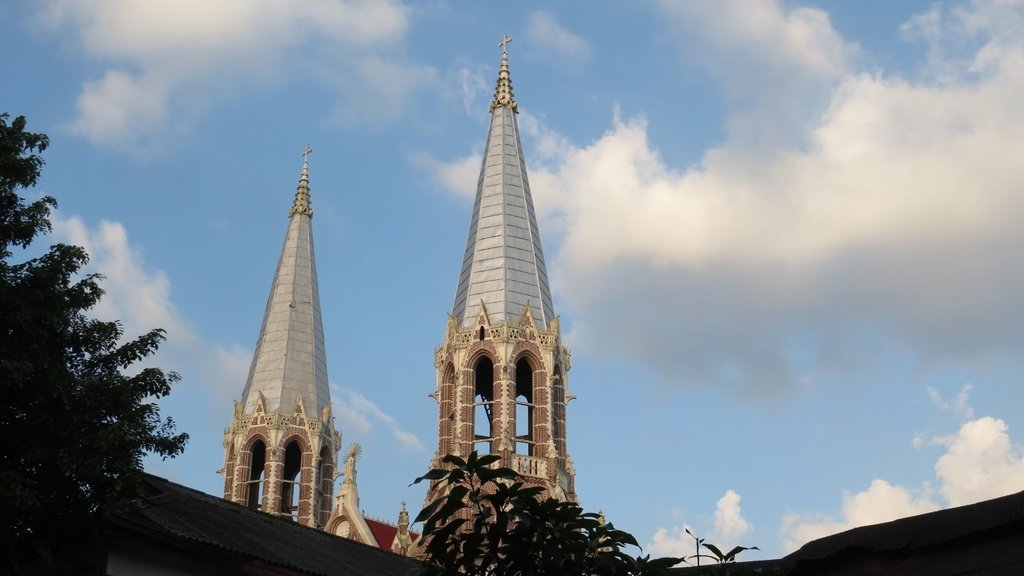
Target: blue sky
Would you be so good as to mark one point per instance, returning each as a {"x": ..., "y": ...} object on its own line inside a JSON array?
[{"x": 783, "y": 237}]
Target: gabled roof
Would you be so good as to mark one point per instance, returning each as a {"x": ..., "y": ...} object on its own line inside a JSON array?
[
  {"x": 289, "y": 363},
  {"x": 503, "y": 267},
  {"x": 194, "y": 524},
  {"x": 385, "y": 532}
]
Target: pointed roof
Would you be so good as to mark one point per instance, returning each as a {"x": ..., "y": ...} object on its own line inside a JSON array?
[
  {"x": 289, "y": 365},
  {"x": 503, "y": 268}
]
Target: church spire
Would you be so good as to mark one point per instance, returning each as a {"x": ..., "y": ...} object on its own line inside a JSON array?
[
  {"x": 290, "y": 364},
  {"x": 502, "y": 368},
  {"x": 281, "y": 447},
  {"x": 503, "y": 268}
]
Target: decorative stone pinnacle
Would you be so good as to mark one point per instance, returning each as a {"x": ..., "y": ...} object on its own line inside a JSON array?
[
  {"x": 302, "y": 203},
  {"x": 503, "y": 91}
]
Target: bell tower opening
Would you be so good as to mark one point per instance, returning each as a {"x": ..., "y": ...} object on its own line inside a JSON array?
[
  {"x": 483, "y": 405},
  {"x": 291, "y": 482},
  {"x": 254, "y": 485},
  {"x": 524, "y": 408},
  {"x": 326, "y": 485}
]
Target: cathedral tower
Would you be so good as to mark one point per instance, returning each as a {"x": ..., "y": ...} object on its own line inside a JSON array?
[
  {"x": 280, "y": 451},
  {"x": 501, "y": 370}
]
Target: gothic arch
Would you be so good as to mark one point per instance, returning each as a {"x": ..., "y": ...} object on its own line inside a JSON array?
[
  {"x": 446, "y": 407},
  {"x": 558, "y": 402},
  {"x": 292, "y": 472},
  {"x": 524, "y": 396},
  {"x": 324, "y": 486},
  {"x": 255, "y": 454},
  {"x": 483, "y": 371},
  {"x": 478, "y": 349}
]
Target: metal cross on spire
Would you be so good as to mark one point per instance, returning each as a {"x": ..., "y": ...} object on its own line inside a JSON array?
[
  {"x": 503, "y": 91},
  {"x": 302, "y": 204}
]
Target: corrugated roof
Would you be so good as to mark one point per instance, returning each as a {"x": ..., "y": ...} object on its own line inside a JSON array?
[{"x": 193, "y": 518}]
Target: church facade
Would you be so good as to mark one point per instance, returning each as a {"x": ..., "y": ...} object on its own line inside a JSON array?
[{"x": 501, "y": 383}]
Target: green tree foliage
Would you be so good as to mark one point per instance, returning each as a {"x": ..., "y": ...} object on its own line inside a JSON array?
[
  {"x": 487, "y": 522},
  {"x": 73, "y": 425}
]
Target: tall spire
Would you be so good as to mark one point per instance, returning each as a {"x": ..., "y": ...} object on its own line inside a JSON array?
[
  {"x": 503, "y": 268},
  {"x": 502, "y": 370},
  {"x": 280, "y": 451},
  {"x": 290, "y": 363}
]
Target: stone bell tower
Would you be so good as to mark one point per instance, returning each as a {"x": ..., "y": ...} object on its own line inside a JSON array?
[
  {"x": 501, "y": 370},
  {"x": 280, "y": 451}
]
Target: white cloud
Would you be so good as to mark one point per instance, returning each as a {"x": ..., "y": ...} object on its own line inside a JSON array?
[
  {"x": 980, "y": 462},
  {"x": 140, "y": 298},
  {"x": 775, "y": 63},
  {"x": 880, "y": 502},
  {"x": 763, "y": 267},
  {"x": 959, "y": 404},
  {"x": 136, "y": 297},
  {"x": 386, "y": 86},
  {"x": 458, "y": 176},
  {"x": 171, "y": 58},
  {"x": 759, "y": 269},
  {"x": 544, "y": 32},
  {"x": 226, "y": 369},
  {"x": 964, "y": 41},
  {"x": 472, "y": 85},
  {"x": 728, "y": 527},
  {"x": 358, "y": 413},
  {"x": 674, "y": 542}
]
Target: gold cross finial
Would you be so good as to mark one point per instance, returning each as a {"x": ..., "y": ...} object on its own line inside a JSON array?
[
  {"x": 301, "y": 205},
  {"x": 503, "y": 91}
]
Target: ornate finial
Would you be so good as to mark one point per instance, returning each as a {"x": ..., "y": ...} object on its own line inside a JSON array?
[
  {"x": 503, "y": 91},
  {"x": 302, "y": 204},
  {"x": 403, "y": 516}
]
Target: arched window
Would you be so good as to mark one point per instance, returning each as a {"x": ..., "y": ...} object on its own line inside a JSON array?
[
  {"x": 291, "y": 479},
  {"x": 254, "y": 484},
  {"x": 524, "y": 408},
  {"x": 446, "y": 410},
  {"x": 558, "y": 412},
  {"x": 483, "y": 405},
  {"x": 323, "y": 495}
]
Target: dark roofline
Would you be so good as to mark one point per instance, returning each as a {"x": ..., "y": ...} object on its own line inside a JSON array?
[
  {"x": 940, "y": 532},
  {"x": 921, "y": 530},
  {"x": 203, "y": 526}
]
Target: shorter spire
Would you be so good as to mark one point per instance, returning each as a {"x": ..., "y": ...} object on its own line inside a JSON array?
[
  {"x": 503, "y": 91},
  {"x": 302, "y": 203}
]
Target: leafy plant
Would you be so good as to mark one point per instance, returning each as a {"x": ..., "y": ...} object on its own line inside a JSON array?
[
  {"x": 716, "y": 553},
  {"x": 487, "y": 521}
]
